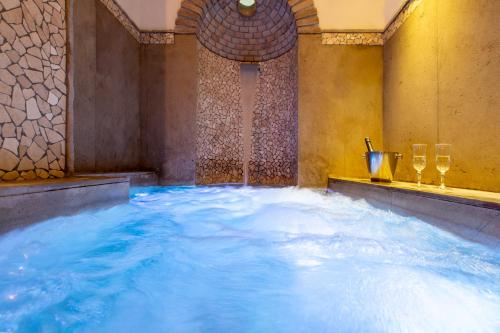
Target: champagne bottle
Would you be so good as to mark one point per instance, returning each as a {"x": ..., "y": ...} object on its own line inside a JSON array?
[{"x": 369, "y": 146}]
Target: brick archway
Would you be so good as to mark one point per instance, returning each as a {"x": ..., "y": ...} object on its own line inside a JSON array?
[
  {"x": 188, "y": 16},
  {"x": 270, "y": 33}
]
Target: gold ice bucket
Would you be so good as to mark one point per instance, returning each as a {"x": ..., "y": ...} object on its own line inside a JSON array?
[{"x": 382, "y": 165}]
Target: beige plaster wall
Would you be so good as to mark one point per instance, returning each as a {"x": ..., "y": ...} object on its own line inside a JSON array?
[
  {"x": 104, "y": 79},
  {"x": 340, "y": 102},
  {"x": 441, "y": 72},
  {"x": 169, "y": 79},
  {"x": 117, "y": 114}
]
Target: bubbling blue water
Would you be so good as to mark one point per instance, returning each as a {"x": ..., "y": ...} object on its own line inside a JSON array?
[{"x": 213, "y": 259}]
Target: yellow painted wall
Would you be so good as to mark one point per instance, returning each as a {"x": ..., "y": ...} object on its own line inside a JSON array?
[
  {"x": 442, "y": 84},
  {"x": 340, "y": 102}
]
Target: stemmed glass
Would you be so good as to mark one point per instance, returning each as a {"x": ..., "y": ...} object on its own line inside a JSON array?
[
  {"x": 419, "y": 160},
  {"x": 443, "y": 161}
]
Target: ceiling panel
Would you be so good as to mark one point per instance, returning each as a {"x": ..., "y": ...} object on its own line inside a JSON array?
[
  {"x": 370, "y": 15},
  {"x": 356, "y": 15}
]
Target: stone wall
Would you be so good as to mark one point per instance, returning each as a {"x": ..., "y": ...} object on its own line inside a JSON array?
[
  {"x": 220, "y": 151},
  {"x": 32, "y": 89},
  {"x": 274, "y": 134},
  {"x": 441, "y": 85},
  {"x": 219, "y": 141}
]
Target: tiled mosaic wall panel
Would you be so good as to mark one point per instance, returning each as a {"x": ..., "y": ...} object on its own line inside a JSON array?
[
  {"x": 219, "y": 142},
  {"x": 274, "y": 134},
  {"x": 32, "y": 89}
]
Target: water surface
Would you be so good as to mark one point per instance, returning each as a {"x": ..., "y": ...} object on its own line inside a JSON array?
[{"x": 212, "y": 259}]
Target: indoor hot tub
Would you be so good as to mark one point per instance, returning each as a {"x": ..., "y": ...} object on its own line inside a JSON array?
[{"x": 241, "y": 259}]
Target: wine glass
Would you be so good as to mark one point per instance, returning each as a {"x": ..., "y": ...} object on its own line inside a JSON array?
[
  {"x": 419, "y": 160},
  {"x": 443, "y": 160}
]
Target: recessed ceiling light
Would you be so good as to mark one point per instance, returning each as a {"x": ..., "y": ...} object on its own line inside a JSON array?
[{"x": 247, "y": 7}]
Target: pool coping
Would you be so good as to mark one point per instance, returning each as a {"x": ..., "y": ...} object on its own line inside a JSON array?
[
  {"x": 9, "y": 189},
  {"x": 28, "y": 202},
  {"x": 490, "y": 200},
  {"x": 471, "y": 215}
]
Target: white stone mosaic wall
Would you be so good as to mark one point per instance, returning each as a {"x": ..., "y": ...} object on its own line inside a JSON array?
[
  {"x": 157, "y": 38},
  {"x": 219, "y": 138},
  {"x": 275, "y": 123},
  {"x": 32, "y": 89},
  {"x": 352, "y": 38},
  {"x": 219, "y": 135}
]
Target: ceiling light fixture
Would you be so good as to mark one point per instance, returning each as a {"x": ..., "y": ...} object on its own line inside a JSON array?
[{"x": 247, "y": 7}]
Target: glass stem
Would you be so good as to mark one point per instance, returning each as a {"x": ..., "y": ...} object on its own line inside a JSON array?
[
  {"x": 419, "y": 178},
  {"x": 442, "y": 182}
]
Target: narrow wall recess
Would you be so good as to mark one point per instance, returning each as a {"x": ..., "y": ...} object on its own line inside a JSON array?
[{"x": 249, "y": 74}]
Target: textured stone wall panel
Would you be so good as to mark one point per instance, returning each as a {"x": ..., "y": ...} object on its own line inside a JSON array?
[
  {"x": 219, "y": 138},
  {"x": 32, "y": 89},
  {"x": 352, "y": 38},
  {"x": 274, "y": 133},
  {"x": 219, "y": 142}
]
